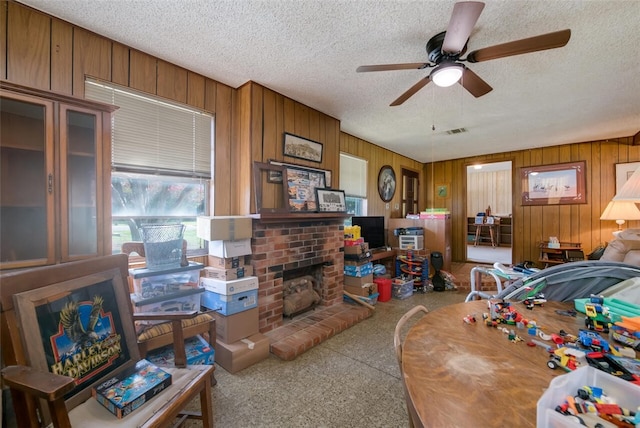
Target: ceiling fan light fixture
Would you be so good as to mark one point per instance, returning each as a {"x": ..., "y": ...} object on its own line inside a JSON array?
[{"x": 446, "y": 75}]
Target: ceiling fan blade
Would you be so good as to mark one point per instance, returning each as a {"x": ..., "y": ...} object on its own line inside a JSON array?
[
  {"x": 389, "y": 67},
  {"x": 474, "y": 83},
  {"x": 411, "y": 91},
  {"x": 532, "y": 44},
  {"x": 463, "y": 18}
]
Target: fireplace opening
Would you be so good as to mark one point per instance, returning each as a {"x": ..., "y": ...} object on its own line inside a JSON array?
[{"x": 301, "y": 290}]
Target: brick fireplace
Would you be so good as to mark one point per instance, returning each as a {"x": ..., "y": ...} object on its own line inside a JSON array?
[
  {"x": 287, "y": 245},
  {"x": 292, "y": 244}
]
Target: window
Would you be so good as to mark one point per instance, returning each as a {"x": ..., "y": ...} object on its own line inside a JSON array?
[
  {"x": 353, "y": 180},
  {"x": 161, "y": 162}
]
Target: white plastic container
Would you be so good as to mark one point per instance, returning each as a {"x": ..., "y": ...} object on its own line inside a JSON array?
[{"x": 624, "y": 393}]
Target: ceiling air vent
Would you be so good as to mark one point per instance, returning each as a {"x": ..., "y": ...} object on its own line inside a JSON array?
[{"x": 456, "y": 131}]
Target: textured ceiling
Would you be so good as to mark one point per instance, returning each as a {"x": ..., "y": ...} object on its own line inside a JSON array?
[{"x": 308, "y": 50}]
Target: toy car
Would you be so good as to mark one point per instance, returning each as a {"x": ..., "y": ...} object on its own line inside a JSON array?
[{"x": 566, "y": 358}]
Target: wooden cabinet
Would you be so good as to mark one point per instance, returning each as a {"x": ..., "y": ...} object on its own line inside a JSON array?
[
  {"x": 501, "y": 229},
  {"x": 565, "y": 252},
  {"x": 437, "y": 235},
  {"x": 55, "y": 198}
]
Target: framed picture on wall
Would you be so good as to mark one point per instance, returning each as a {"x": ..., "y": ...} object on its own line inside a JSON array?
[
  {"x": 623, "y": 172},
  {"x": 302, "y": 148},
  {"x": 386, "y": 183},
  {"x": 558, "y": 184}
]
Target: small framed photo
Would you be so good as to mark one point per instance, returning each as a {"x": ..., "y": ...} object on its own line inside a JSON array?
[
  {"x": 302, "y": 148},
  {"x": 274, "y": 176},
  {"x": 331, "y": 201}
]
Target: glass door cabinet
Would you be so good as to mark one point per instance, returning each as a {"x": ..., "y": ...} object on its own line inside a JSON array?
[{"x": 54, "y": 178}]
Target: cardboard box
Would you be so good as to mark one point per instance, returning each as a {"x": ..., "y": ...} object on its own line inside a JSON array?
[
  {"x": 127, "y": 391},
  {"x": 359, "y": 270},
  {"x": 231, "y": 328},
  {"x": 228, "y": 274},
  {"x": 227, "y": 228},
  {"x": 148, "y": 283},
  {"x": 225, "y": 263},
  {"x": 230, "y": 304},
  {"x": 230, "y": 287},
  {"x": 366, "y": 289},
  {"x": 357, "y": 249},
  {"x": 239, "y": 355},
  {"x": 198, "y": 352},
  {"x": 228, "y": 249},
  {"x": 357, "y": 281}
]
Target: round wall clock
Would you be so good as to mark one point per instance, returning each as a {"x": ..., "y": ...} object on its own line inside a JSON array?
[{"x": 386, "y": 183}]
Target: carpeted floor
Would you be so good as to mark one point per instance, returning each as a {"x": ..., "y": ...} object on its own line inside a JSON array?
[{"x": 350, "y": 380}]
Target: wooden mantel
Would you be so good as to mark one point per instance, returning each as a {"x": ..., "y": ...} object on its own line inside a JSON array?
[{"x": 283, "y": 217}]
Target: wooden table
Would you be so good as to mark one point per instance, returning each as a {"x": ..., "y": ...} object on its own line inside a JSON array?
[
  {"x": 471, "y": 375},
  {"x": 492, "y": 232}
]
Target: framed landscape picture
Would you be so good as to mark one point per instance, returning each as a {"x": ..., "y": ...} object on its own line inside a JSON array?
[
  {"x": 302, "y": 148},
  {"x": 558, "y": 184}
]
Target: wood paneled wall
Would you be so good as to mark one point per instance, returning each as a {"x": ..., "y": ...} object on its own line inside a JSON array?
[
  {"x": 532, "y": 224},
  {"x": 264, "y": 117},
  {"x": 42, "y": 51},
  {"x": 377, "y": 157}
]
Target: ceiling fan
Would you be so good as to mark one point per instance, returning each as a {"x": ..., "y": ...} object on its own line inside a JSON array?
[{"x": 445, "y": 50}]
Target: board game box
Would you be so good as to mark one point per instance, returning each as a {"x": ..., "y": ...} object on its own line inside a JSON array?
[
  {"x": 197, "y": 349},
  {"x": 130, "y": 389}
]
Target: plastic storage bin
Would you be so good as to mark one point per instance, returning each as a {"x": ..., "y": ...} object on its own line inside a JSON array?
[
  {"x": 626, "y": 394},
  {"x": 401, "y": 288},
  {"x": 148, "y": 283},
  {"x": 186, "y": 300},
  {"x": 372, "y": 300},
  {"x": 411, "y": 242}
]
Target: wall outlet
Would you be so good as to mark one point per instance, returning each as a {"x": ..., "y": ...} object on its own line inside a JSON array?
[
  {"x": 386, "y": 206},
  {"x": 396, "y": 206}
]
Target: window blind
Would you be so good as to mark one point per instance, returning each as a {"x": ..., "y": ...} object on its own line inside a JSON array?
[
  {"x": 153, "y": 135},
  {"x": 353, "y": 175}
]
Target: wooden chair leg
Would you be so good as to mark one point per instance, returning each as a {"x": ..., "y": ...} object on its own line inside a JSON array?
[
  {"x": 206, "y": 404},
  {"x": 180, "y": 354}
]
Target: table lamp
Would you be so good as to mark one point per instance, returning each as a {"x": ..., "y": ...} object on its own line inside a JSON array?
[{"x": 620, "y": 211}]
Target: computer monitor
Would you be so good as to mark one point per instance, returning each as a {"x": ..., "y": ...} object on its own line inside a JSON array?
[{"x": 371, "y": 229}]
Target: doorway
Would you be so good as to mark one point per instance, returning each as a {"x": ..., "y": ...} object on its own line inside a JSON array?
[
  {"x": 489, "y": 213},
  {"x": 409, "y": 193}
]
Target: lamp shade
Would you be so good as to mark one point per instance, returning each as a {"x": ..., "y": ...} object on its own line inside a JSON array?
[
  {"x": 630, "y": 191},
  {"x": 620, "y": 211}
]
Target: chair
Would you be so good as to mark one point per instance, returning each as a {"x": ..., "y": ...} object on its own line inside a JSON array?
[
  {"x": 163, "y": 334},
  {"x": 30, "y": 298},
  {"x": 414, "y": 420}
]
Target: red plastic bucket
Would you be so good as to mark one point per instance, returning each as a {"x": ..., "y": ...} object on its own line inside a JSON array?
[{"x": 384, "y": 288}]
